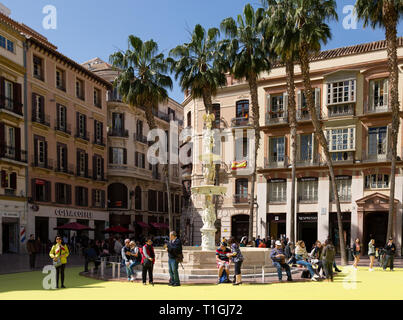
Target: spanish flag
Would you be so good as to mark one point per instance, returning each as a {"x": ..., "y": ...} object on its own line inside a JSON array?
[{"x": 238, "y": 165}]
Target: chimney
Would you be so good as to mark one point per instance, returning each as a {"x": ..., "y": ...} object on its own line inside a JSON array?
[{"x": 4, "y": 10}]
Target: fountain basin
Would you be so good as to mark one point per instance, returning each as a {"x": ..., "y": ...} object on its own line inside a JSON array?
[{"x": 209, "y": 190}]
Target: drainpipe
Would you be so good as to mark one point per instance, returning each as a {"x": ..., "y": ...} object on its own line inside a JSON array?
[{"x": 25, "y": 49}]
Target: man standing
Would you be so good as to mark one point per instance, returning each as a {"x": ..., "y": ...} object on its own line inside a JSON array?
[
  {"x": 278, "y": 258},
  {"x": 126, "y": 260},
  {"x": 390, "y": 250},
  {"x": 31, "y": 248},
  {"x": 174, "y": 257}
]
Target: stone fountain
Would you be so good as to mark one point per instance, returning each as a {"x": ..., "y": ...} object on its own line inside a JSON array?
[{"x": 208, "y": 159}]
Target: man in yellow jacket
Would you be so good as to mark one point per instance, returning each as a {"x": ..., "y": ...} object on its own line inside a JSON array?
[{"x": 59, "y": 254}]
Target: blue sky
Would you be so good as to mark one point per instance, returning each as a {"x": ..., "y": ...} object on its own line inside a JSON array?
[{"x": 96, "y": 28}]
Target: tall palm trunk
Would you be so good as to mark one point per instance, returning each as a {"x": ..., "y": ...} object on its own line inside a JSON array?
[
  {"x": 390, "y": 18},
  {"x": 293, "y": 131},
  {"x": 304, "y": 59},
  {"x": 207, "y": 101},
  {"x": 165, "y": 168},
  {"x": 255, "y": 114}
]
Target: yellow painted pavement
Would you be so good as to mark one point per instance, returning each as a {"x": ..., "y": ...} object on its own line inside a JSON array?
[{"x": 350, "y": 284}]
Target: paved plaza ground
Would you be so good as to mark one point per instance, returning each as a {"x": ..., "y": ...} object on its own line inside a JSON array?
[{"x": 349, "y": 284}]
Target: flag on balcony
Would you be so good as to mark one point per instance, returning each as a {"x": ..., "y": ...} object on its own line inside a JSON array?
[{"x": 238, "y": 165}]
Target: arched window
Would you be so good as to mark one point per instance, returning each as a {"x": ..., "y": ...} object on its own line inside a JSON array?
[
  {"x": 117, "y": 196},
  {"x": 137, "y": 198},
  {"x": 242, "y": 109}
]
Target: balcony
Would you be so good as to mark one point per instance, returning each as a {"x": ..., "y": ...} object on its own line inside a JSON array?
[
  {"x": 342, "y": 197},
  {"x": 140, "y": 138},
  {"x": 341, "y": 110},
  {"x": 98, "y": 177},
  {"x": 376, "y": 107},
  {"x": 63, "y": 127},
  {"x": 45, "y": 164},
  {"x": 307, "y": 200},
  {"x": 277, "y": 200},
  {"x": 99, "y": 141},
  {"x": 9, "y": 152},
  {"x": 161, "y": 115},
  {"x": 69, "y": 169},
  {"x": 83, "y": 135},
  {"x": 273, "y": 118},
  {"x": 241, "y": 199},
  {"x": 45, "y": 120},
  {"x": 241, "y": 122},
  {"x": 376, "y": 157},
  {"x": 310, "y": 161},
  {"x": 84, "y": 173},
  {"x": 156, "y": 175},
  {"x": 119, "y": 133},
  {"x": 114, "y": 96},
  {"x": 280, "y": 161},
  {"x": 10, "y": 105},
  {"x": 342, "y": 157}
]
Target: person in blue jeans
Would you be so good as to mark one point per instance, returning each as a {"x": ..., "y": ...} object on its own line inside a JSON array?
[
  {"x": 126, "y": 256},
  {"x": 174, "y": 248},
  {"x": 301, "y": 255},
  {"x": 278, "y": 258}
]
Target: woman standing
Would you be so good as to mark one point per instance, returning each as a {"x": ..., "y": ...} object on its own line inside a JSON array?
[
  {"x": 371, "y": 254},
  {"x": 59, "y": 254},
  {"x": 356, "y": 253},
  {"x": 328, "y": 255},
  {"x": 237, "y": 259},
  {"x": 148, "y": 260}
]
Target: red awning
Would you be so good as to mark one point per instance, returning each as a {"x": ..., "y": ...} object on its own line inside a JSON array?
[
  {"x": 142, "y": 224},
  {"x": 117, "y": 229},
  {"x": 159, "y": 225}
]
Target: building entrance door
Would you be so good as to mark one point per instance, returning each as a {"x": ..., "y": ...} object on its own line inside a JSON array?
[
  {"x": 240, "y": 226},
  {"x": 42, "y": 229},
  {"x": 375, "y": 226},
  {"x": 308, "y": 229},
  {"x": 10, "y": 237}
]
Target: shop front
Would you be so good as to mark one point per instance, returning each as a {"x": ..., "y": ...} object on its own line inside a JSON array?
[
  {"x": 277, "y": 225},
  {"x": 334, "y": 229},
  {"x": 42, "y": 221},
  {"x": 307, "y": 228},
  {"x": 13, "y": 235}
]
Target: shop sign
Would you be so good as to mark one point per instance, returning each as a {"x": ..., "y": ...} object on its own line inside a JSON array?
[
  {"x": 73, "y": 213},
  {"x": 11, "y": 215},
  {"x": 307, "y": 218}
]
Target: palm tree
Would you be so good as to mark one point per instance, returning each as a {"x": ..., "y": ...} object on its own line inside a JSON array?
[
  {"x": 284, "y": 41},
  {"x": 200, "y": 68},
  {"x": 142, "y": 82},
  {"x": 310, "y": 17},
  {"x": 248, "y": 57},
  {"x": 386, "y": 14},
  {"x": 199, "y": 65}
]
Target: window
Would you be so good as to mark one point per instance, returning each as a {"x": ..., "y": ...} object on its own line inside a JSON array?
[
  {"x": 152, "y": 200},
  {"x": 177, "y": 204},
  {"x": 80, "y": 89},
  {"x": 98, "y": 167},
  {"x": 139, "y": 160},
  {"x": 277, "y": 149},
  {"x": 241, "y": 148},
  {"x": 10, "y": 46},
  {"x": 189, "y": 119},
  {"x": 9, "y": 180},
  {"x": 62, "y": 157},
  {"x": 341, "y": 139},
  {"x": 97, "y": 97},
  {"x": 160, "y": 201},
  {"x": 60, "y": 79},
  {"x": 61, "y": 118},
  {"x": 303, "y": 111},
  {"x": 377, "y": 142},
  {"x": 343, "y": 184},
  {"x": 98, "y": 198},
  {"x": 81, "y": 125},
  {"x": 341, "y": 92},
  {"x": 41, "y": 190},
  {"x": 377, "y": 181},
  {"x": 137, "y": 198},
  {"x": 82, "y": 163},
  {"x": 306, "y": 147},
  {"x": 10, "y": 141},
  {"x": 2, "y": 42},
  {"x": 63, "y": 193},
  {"x": 217, "y": 114},
  {"x": 41, "y": 151},
  {"x": 9, "y": 94},
  {"x": 38, "y": 108},
  {"x": 308, "y": 189},
  {"x": 118, "y": 155},
  {"x": 117, "y": 123},
  {"x": 81, "y": 196},
  {"x": 241, "y": 191},
  {"x": 277, "y": 189},
  {"x": 242, "y": 109},
  {"x": 38, "y": 68},
  {"x": 277, "y": 105},
  {"x": 171, "y": 114},
  {"x": 139, "y": 128},
  {"x": 378, "y": 94}
]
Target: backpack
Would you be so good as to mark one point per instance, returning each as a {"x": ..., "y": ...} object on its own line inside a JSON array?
[{"x": 305, "y": 274}]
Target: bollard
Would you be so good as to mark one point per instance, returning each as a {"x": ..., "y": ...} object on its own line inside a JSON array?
[
  {"x": 113, "y": 270},
  {"x": 263, "y": 274},
  {"x": 103, "y": 264},
  {"x": 119, "y": 267}
]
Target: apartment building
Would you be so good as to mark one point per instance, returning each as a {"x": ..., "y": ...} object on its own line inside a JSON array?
[
  {"x": 67, "y": 117},
  {"x": 13, "y": 155},
  {"x": 351, "y": 98},
  {"x": 137, "y": 197}
]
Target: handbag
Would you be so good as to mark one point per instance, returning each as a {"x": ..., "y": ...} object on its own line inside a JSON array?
[{"x": 58, "y": 263}]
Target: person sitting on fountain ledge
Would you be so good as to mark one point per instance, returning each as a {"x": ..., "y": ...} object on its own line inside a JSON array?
[{"x": 223, "y": 261}]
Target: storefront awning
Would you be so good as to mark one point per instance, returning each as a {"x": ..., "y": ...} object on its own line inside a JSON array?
[
  {"x": 159, "y": 225},
  {"x": 142, "y": 224}
]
